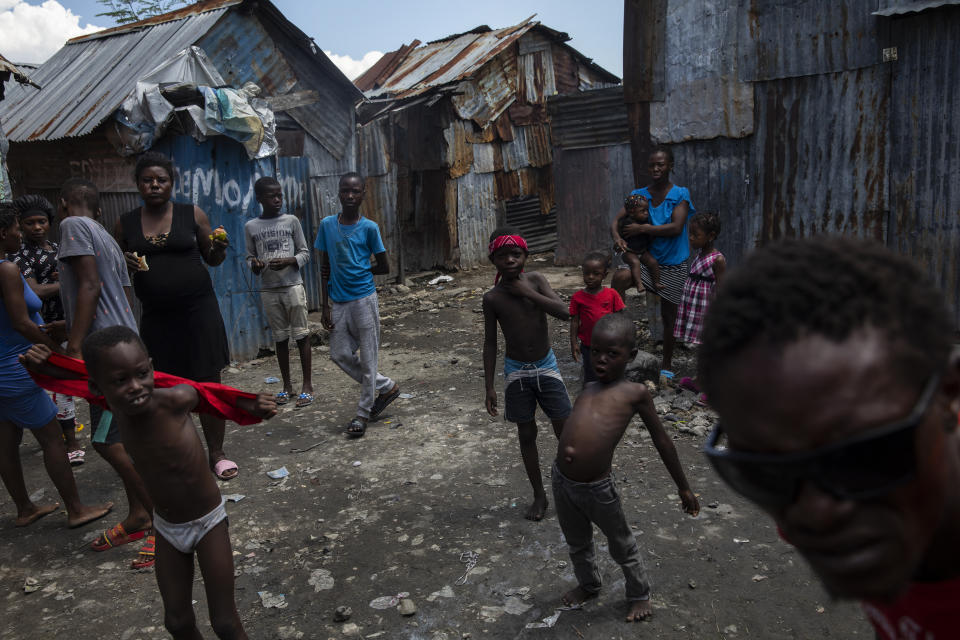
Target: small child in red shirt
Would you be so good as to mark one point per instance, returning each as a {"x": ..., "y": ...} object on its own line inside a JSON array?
[{"x": 589, "y": 305}]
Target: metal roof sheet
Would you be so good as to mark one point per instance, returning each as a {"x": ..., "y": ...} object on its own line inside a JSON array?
[
  {"x": 87, "y": 80},
  {"x": 444, "y": 62},
  {"x": 18, "y": 74}
]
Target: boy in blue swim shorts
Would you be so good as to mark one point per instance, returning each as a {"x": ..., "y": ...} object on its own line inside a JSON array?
[{"x": 519, "y": 302}]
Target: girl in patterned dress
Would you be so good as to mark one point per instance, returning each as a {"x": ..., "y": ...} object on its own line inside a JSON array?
[{"x": 701, "y": 285}]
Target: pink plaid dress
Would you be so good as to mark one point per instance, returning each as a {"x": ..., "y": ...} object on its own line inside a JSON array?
[{"x": 697, "y": 292}]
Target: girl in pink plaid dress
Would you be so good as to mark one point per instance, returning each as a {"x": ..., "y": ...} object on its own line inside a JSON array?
[{"x": 705, "y": 274}]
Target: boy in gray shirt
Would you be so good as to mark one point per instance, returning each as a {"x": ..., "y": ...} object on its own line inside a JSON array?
[
  {"x": 93, "y": 288},
  {"x": 277, "y": 250}
]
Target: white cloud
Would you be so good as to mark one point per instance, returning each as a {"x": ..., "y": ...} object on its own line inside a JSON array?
[
  {"x": 34, "y": 32},
  {"x": 350, "y": 67}
]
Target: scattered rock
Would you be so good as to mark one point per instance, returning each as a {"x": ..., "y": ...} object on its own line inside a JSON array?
[
  {"x": 342, "y": 614},
  {"x": 350, "y": 629},
  {"x": 692, "y": 584},
  {"x": 714, "y": 504},
  {"x": 30, "y": 585},
  {"x": 645, "y": 366},
  {"x": 271, "y": 601},
  {"x": 407, "y": 607},
  {"x": 321, "y": 580}
]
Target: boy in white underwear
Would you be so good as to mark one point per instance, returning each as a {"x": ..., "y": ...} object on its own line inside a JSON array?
[{"x": 159, "y": 434}]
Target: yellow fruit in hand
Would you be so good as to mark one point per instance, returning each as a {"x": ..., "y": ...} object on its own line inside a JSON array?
[{"x": 219, "y": 234}]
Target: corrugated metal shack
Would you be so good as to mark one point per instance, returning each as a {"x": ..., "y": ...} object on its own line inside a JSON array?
[
  {"x": 7, "y": 71},
  {"x": 65, "y": 131},
  {"x": 798, "y": 118},
  {"x": 455, "y": 138}
]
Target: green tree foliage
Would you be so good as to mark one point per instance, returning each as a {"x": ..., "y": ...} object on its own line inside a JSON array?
[{"x": 126, "y": 11}]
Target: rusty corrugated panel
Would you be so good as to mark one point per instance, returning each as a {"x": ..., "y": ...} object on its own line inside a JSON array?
[
  {"x": 589, "y": 119},
  {"x": 538, "y": 229},
  {"x": 823, "y": 144},
  {"x": 504, "y": 128},
  {"x": 486, "y": 158},
  {"x": 535, "y": 75},
  {"x": 703, "y": 97},
  {"x": 924, "y": 154},
  {"x": 524, "y": 113},
  {"x": 590, "y": 187},
  {"x": 429, "y": 226},
  {"x": 565, "y": 70},
  {"x": 441, "y": 63},
  {"x": 380, "y": 205},
  {"x": 722, "y": 175},
  {"x": 191, "y": 10},
  {"x": 323, "y": 163},
  {"x": 476, "y": 216},
  {"x": 458, "y": 152},
  {"x": 375, "y": 147},
  {"x": 382, "y": 68},
  {"x": 244, "y": 50},
  {"x": 530, "y": 147},
  {"x": 483, "y": 98},
  {"x": 785, "y": 39}
]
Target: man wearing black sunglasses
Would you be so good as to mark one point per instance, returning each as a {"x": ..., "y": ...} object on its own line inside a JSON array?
[{"x": 829, "y": 362}]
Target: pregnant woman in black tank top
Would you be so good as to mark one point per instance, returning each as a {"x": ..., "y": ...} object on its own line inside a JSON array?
[{"x": 181, "y": 322}]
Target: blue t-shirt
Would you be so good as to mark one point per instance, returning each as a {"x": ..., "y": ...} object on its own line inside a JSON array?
[
  {"x": 14, "y": 379},
  {"x": 349, "y": 247},
  {"x": 673, "y": 249}
]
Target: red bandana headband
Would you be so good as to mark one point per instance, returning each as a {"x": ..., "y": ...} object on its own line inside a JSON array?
[{"x": 505, "y": 241}]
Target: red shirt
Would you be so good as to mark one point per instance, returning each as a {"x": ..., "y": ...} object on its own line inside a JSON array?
[
  {"x": 928, "y": 611},
  {"x": 591, "y": 307}
]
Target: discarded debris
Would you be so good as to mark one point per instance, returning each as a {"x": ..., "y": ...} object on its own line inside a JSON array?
[
  {"x": 758, "y": 578},
  {"x": 546, "y": 623},
  {"x": 30, "y": 585},
  {"x": 342, "y": 614},
  {"x": 470, "y": 558},
  {"x": 405, "y": 396},
  {"x": 440, "y": 279},
  {"x": 741, "y": 540},
  {"x": 271, "y": 601},
  {"x": 271, "y": 379},
  {"x": 233, "y": 497},
  {"x": 387, "y": 602},
  {"x": 276, "y": 474},
  {"x": 321, "y": 579},
  {"x": 313, "y": 446},
  {"x": 406, "y": 607}
]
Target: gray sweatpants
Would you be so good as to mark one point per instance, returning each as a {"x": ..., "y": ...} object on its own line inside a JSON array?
[
  {"x": 579, "y": 506},
  {"x": 354, "y": 345}
]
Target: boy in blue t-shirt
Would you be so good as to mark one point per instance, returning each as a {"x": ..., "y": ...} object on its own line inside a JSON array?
[{"x": 346, "y": 242}]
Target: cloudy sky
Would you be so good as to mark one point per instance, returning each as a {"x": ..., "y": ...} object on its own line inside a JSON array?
[{"x": 354, "y": 33}]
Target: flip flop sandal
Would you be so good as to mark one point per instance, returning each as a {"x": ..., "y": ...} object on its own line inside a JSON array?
[
  {"x": 282, "y": 398},
  {"x": 382, "y": 401},
  {"x": 689, "y": 384},
  {"x": 76, "y": 458},
  {"x": 223, "y": 465},
  {"x": 356, "y": 428},
  {"x": 303, "y": 400},
  {"x": 116, "y": 536},
  {"x": 147, "y": 556}
]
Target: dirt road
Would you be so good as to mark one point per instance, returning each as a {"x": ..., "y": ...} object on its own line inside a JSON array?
[{"x": 429, "y": 503}]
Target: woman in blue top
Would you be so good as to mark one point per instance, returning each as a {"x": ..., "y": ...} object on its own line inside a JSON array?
[
  {"x": 24, "y": 405},
  {"x": 669, "y": 207}
]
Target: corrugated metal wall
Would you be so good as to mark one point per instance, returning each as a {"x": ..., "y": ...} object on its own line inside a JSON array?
[
  {"x": 591, "y": 184},
  {"x": 477, "y": 215},
  {"x": 924, "y": 156}
]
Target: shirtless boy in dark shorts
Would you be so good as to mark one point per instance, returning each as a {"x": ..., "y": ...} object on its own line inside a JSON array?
[
  {"x": 583, "y": 485},
  {"x": 520, "y": 302},
  {"x": 159, "y": 434}
]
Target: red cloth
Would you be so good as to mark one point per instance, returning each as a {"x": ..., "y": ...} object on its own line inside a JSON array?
[
  {"x": 591, "y": 307},
  {"x": 928, "y": 611},
  {"x": 215, "y": 399}
]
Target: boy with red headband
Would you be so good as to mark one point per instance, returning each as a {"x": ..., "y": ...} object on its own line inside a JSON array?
[{"x": 520, "y": 302}]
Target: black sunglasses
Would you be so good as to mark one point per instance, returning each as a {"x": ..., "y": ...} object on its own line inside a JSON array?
[{"x": 858, "y": 468}]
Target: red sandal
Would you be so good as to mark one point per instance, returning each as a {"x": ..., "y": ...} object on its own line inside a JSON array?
[
  {"x": 116, "y": 536},
  {"x": 147, "y": 556}
]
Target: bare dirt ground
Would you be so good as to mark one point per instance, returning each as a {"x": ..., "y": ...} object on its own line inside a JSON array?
[{"x": 434, "y": 484}]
